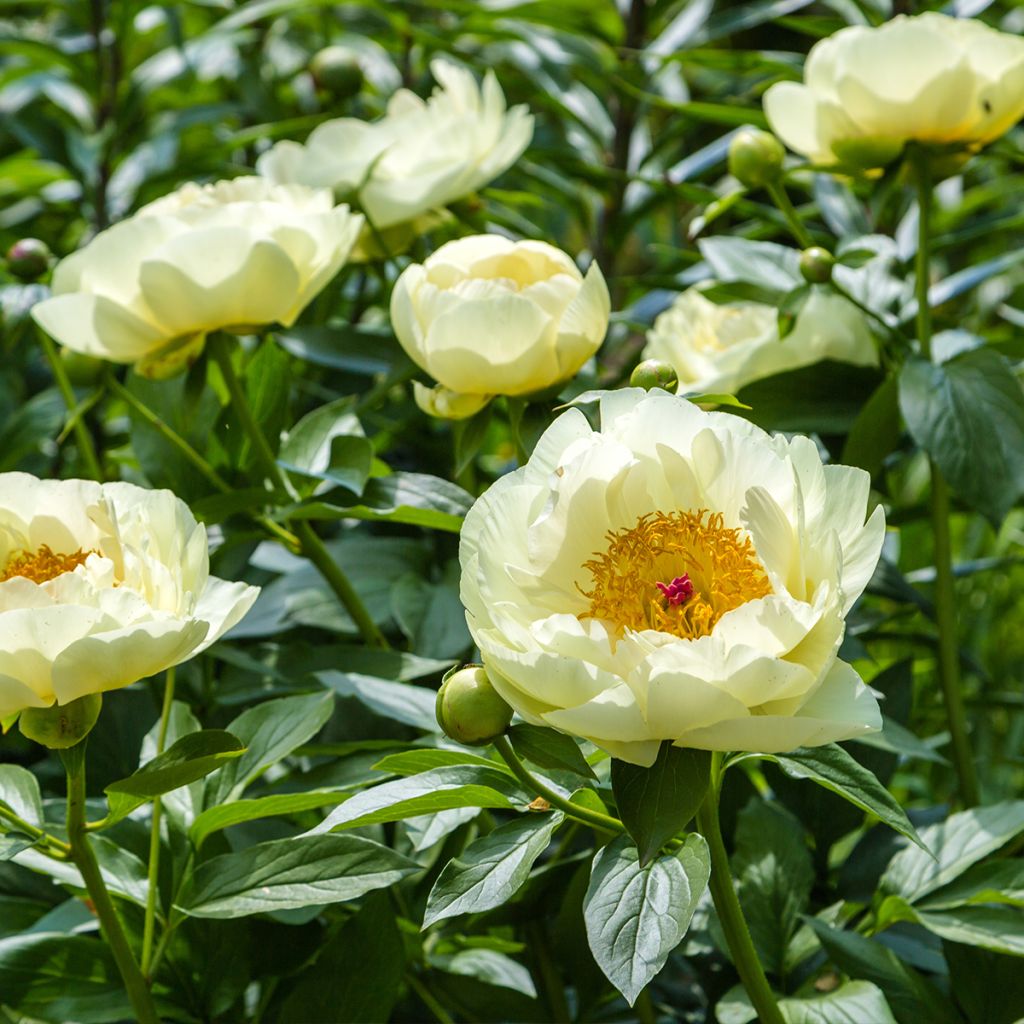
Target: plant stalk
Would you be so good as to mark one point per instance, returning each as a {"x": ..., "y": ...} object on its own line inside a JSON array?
[
  {"x": 779, "y": 196},
  {"x": 110, "y": 924},
  {"x": 940, "y": 509},
  {"x": 730, "y": 915}
]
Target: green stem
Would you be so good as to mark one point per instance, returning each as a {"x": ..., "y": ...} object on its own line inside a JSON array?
[
  {"x": 428, "y": 1000},
  {"x": 309, "y": 542},
  {"x": 730, "y": 915},
  {"x": 110, "y": 924},
  {"x": 945, "y": 594},
  {"x": 780, "y": 197},
  {"x": 35, "y": 833},
  {"x": 547, "y": 974},
  {"x": 83, "y": 439},
  {"x": 593, "y": 818},
  {"x": 149, "y": 925}
]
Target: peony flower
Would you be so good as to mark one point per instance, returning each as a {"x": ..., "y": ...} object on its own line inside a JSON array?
[
  {"x": 485, "y": 316},
  {"x": 676, "y": 575},
  {"x": 930, "y": 79},
  {"x": 101, "y": 586},
  {"x": 717, "y": 349},
  {"x": 235, "y": 256},
  {"x": 418, "y": 157}
]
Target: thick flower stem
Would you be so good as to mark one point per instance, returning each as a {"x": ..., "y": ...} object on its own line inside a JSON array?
[
  {"x": 85, "y": 860},
  {"x": 86, "y": 448},
  {"x": 310, "y": 543},
  {"x": 154, "y": 835},
  {"x": 945, "y": 596},
  {"x": 730, "y": 915},
  {"x": 780, "y": 197},
  {"x": 593, "y": 818}
]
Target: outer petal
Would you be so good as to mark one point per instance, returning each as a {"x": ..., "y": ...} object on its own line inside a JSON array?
[
  {"x": 794, "y": 115},
  {"x": 98, "y": 326},
  {"x": 447, "y": 405}
]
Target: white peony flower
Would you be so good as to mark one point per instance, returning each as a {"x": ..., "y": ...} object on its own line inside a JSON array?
[
  {"x": 485, "y": 316},
  {"x": 234, "y": 256},
  {"x": 101, "y": 586},
  {"x": 931, "y": 79},
  {"x": 677, "y": 575},
  {"x": 418, "y": 157},
  {"x": 717, "y": 349}
]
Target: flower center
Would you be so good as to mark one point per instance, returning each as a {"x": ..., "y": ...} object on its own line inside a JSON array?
[
  {"x": 42, "y": 565},
  {"x": 677, "y": 572}
]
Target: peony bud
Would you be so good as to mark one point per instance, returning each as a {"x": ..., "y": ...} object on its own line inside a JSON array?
[
  {"x": 469, "y": 709},
  {"x": 28, "y": 258},
  {"x": 816, "y": 265},
  {"x": 654, "y": 373},
  {"x": 336, "y": 70},
  {"x": 755, "y": 157},
  {"x": 61, "y": 725}
]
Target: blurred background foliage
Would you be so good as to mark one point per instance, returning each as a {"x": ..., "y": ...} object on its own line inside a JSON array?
[{"x": 105, "y": 106}]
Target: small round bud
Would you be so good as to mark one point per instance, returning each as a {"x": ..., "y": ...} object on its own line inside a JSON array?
[
  {"x": 653, "y": 373},
  {"x": 61, "y": 725},
  {"x": 28, "y": 258},
  {"x": 816, "y": 265},
  {"x": 336, "y": 70},
  {"x": 469, "y": 709},
  {"x": 755, "y": 157}
]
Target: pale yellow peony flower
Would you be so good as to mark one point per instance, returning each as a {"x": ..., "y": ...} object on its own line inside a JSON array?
[
  {"x": 101, "y": 586},
  {"x": 485, "y": 316},
  {"x": 677, "y": 575},
  {"x": 717, "y": 349},
  {"x": 419, "y": 157},
  {"x": 235, "y": 256},
  {"x": 930, "y": 78}
]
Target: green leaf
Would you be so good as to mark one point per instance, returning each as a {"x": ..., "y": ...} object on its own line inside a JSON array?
[
  {"x": 789, "y": 309},
  {"x": 290, "y": 873},
  {"x": 191, "y": 758},
  {"x": 268, "y": 376},
  {"x": 411, "y": 705},
  {"x": 124, "y": 874},
  {"x": 856, "y": 1002},
  {"x": 549, "y": 749},
  {"x": 988, "y": 986},
  {"x": 656, "y": 803},
  {"x": 957, "y": 843},
  {"x": 434, "y": 790},
  {"x": 270, "y": 731},
  {"x": 876, "y": 430},
  {"x": 469, "y": 437},
  {"x": 490, "y": 967},
  {"x": 12, "y": 843},
  {"x": 412, "y": 762},
  {"x": 19, "y": 792},
  {"x": 997, "y": 881},
  {"x": 968, "y": 414},
  {"x": 999, "y": 929},
  {"x": 329, "y": 444},
  {"x": 908, "y": 994},
  {"x": 430, "y": 613},
  {"x": 636, "y": 916},
  {"x": 832, "y": 767},
  {"x": 357, "y": 348},
  {"x": 490, "y": 870}
]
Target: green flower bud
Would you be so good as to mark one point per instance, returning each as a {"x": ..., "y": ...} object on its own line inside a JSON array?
[
  {"x": 653, "y": 373},
  {"x": 755, "y": 157},
  {"x": 28, "y": 258},
  {"x": 61, "y": 725},
  {"x": 336, "y": 70},
  {"x": 469, "y": 709},
  {"x": 816, "y": 265}
]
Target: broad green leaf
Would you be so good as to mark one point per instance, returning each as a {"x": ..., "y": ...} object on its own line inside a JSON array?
[
  {"x": 181, "y": 805},
  {"x": 422, "y": 759},
  {"x": 329, "y": 444},
  {"x": 772, "y": 266},
  {"x": 431, "y": 615},
  {"x": 907, "y": 992},
  {"x": 999, "y": 929},
  {"x": 411, "y": 705},
  {"x": 357, "y": 348},
  {"x": 189, "y": 759},
  {"x": 997, "y": 881},
  {"x": 490, "y": 870},
  {"x": 656, "y": 803},
  {"x": 832, "y": 767},
  {"x": 225, "y": 815},
  {"x": 636, "y": 916},
  {"x": 429, "y": 829},
  {"x": 270, "y": 731},
  {"x": 12, "y": 843},
  {"x": 434, "y": 790},
  {"x": 898, "y": 739},
  {"x": 876, "y": 430},
  {"x": 957, "y": 843},
  {"x": 490, "y": 967},
  {"x": 291, "y": 873},
  {"x": 856, "y": 1002},
  {"x": 549, "y": 749},
  {"x": 19, "y": 792},
  {"x": 968, "y": 414},
  {"x": 124, "y": 874},
  {"x": 988, "y": 986}
]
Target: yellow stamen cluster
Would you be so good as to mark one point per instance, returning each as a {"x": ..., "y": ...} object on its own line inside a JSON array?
[
  {"x": 720, "y": 562},
  {"x": 42, "y": 565}
]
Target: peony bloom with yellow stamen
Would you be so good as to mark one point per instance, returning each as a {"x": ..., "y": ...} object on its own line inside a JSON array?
[
  {"x": 676, "y": 575},
  {"x": 931, "y": 79},
  {"x": 101, "y": 586},
  {"x": 236, "y": 256}
]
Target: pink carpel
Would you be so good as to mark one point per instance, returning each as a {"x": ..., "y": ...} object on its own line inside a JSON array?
[{"x": 678, "y": 591}]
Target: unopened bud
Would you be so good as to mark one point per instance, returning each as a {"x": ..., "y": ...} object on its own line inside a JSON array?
[
  {"x": 61, "y": 725},
  {"x": 654, "y": 373},
  {"x": 28, "y": 258},
  {"x": 469, "y": 709},
  {"x": 816, "y": 265},
  {"x": 755, "y": 157},
  {"x": 336, "y": 70}
]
